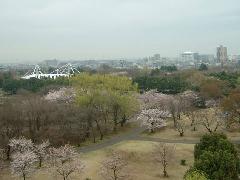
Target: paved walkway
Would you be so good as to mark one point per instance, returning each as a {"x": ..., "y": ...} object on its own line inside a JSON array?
[
  {"x": 116, "y": 139},
  {"x": 135, "y": 134}
]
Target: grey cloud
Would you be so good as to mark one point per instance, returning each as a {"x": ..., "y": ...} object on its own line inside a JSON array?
[{"x": 77, "y": 29}]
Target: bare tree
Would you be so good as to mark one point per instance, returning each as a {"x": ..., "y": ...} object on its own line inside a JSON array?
[
  {"x": 163, "y": 154},
  {"x": 153, "y": 119},
  {"x": 113, "y": 167},
  {"x": 192, "y": 115},
  {"x": 22, "y": 163},
  {"x": 41, "y": 151},
  {"x": 65, "y": 161},
  {"x": 188, "y": 103},
  {"x": 36, "y": 112},
  {"x": 11, "y": 124},
  {"x": 174, "y": 107},
  {"x": 211, "y": 119}
]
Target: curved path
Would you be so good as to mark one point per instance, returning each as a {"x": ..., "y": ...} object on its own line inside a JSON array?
[{"x": 135, "y": 134}]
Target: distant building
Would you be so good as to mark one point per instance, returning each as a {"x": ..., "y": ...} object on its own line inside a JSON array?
[
  {"x": 222, "y": 56},
  {"x": 189, "y": 57},
  {"x": 206, "y": 58},
  {"x": 156, "y": 57},
  {"x": 236, "y": 58}
]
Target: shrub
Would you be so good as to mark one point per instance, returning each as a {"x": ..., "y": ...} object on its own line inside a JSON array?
[
  {"x": 183, "y": 162},
  {"x": 194, "y": 174},
  {"x": 213, "y": 143},
  {"x": 216, "y": 157},
  {"x": 218, "y": 165}
]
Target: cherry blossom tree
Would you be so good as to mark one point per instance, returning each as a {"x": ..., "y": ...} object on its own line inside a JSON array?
[
  {"x": 21, "y": 144},
  {"x": 163, "y": 154},
  {"x": 181, "y": 127},
  {"x": 153, "y": 119},
  {"x": 174, "y": 107},
  {"x": 192, "y": 115},
  {"x": 65, "y": 161},
  {"x": 66, "y": 95},
  {"x": 41, "y": 151},
  {"x": 113, "y": 167},
  {"x": 153, "y": 99},
  {"x": 22, "y": 163}
]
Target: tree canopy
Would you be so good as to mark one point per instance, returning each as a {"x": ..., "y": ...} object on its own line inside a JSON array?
[
  {"x": 217, "y": 157},
  {"x": 164, "y": 84}
]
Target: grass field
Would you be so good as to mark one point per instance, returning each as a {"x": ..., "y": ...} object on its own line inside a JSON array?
[
  {"x": 169, "y": 132},
  {"x": 141, "y": 164}
]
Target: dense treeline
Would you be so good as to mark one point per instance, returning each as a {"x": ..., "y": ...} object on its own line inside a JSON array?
[
  {"x": 163, "y": 84},
  {"x": 232, "y": 78},
  {"x": 12, "y": 85}
]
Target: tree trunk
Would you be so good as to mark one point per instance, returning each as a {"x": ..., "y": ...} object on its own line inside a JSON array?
[
  {"x": 115, "y": 175},
  {"x": 87, "y": 135},
  {"x": 115, "y": 119},
  {"x": 174, "y": 121},
  {"x": 40, "y": 162},
  {"x": 124, "y": 120},
  {"x": 89, "y": 125},
  {"x": 8, "y": 152},
  {"x": 165, "y": 174},
  {"x": 100, "y": 130},
  {"x": 115, "y": 124},
  {"x": 38, "y": 124},
  {"x": 93, "y": 134}
]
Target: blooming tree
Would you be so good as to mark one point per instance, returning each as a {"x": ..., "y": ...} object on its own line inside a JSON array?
[
  {"x": 21, "y": 144},
  {"x": 22, "y": 163},
  {"x": 181, "y": 127},
  {"x": 152, "y": 99},
  {"x": 113, "y": 167},
  {"x": 65, "y": 161},
  {"x": 41, "y": 151},
  {"x": 153, "y": 119},
  {"x": 66, "y": 95}
]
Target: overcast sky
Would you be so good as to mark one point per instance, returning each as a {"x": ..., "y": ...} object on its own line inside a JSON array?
[{"x": 95, "y": 29}]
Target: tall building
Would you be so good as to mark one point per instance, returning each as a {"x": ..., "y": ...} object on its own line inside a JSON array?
[
  {"x": 189, "y": 57},
  {"x": 157, "y": 57},
  {"x": 206, "y": 58},
  {"x": 222, "y": 56},
  {"x": 236, "y": 59}
]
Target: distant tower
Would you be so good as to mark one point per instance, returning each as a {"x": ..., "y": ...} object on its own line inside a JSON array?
[
  {"x": 222, "y": 56},
  {"x": 157, "y": 57}
]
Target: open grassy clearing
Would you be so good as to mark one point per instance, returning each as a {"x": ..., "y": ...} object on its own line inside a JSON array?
[
  {"x": 169, "y": 132},
  {"x": 141, "y": 163}
]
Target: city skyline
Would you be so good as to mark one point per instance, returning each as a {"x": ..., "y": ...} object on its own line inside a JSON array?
[{"x": 81, "y": 30}]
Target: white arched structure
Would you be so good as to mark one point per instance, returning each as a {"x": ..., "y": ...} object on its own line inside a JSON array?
[{"x": 64, "y": 71}]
